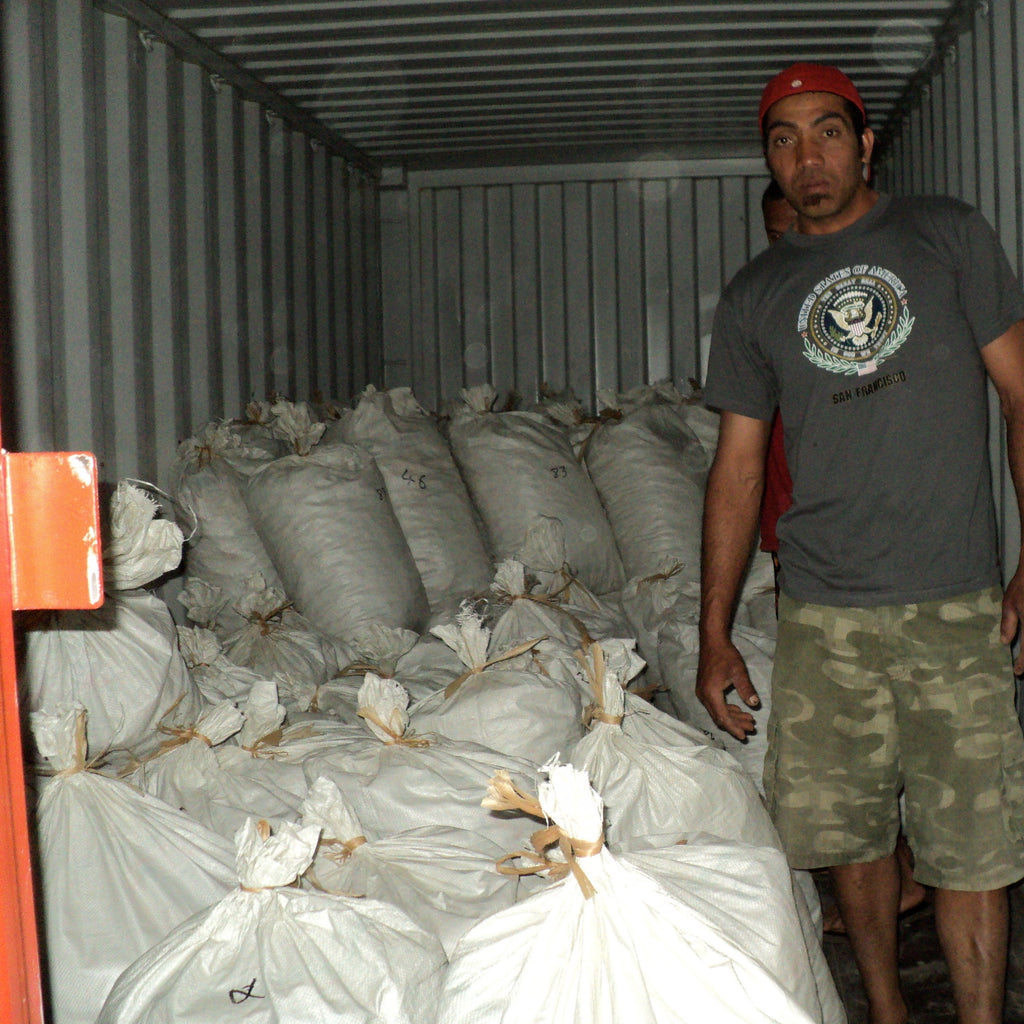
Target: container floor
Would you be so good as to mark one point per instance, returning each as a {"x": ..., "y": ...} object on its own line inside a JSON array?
[{"x": 922, "y": 968}]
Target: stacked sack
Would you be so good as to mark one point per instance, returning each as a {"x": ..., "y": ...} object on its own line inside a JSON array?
[
  {"x": 121, "y": 661},
  {"x": 343, "y": 699}
]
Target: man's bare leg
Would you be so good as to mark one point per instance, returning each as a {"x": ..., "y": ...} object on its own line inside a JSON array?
[
  {"x": 912, "y": 892},
  {"x": 973, "y": 930},
  {"x": 868, "y": 896}
]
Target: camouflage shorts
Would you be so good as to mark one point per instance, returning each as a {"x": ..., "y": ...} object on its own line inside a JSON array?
[{"x": 869, "y": 702}]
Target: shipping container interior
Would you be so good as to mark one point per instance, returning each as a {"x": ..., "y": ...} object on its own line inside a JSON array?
[{"x": 208, "y": 202}]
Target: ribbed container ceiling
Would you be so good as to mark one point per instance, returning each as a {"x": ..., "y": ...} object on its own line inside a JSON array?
[{"x": 421, "y": 83}]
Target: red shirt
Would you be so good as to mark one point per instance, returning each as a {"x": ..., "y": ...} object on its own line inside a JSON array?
[{"x": 778, "y": 487}]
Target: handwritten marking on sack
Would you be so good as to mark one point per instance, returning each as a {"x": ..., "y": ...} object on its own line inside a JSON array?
[
  {"x": 240, "y": 995},
  {"x": 558, "y": 471},
  {"x": 381, "y": 493},
  {"x": 417, "y": 481}
]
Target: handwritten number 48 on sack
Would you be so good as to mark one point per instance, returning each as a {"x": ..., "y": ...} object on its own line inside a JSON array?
[{"x": 419, "y": 481}]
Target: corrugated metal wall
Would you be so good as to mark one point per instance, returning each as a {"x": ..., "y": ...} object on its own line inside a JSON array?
[
  {"x": 571, "y": 277},
  {"x": 176, "y": 251},
  {"x": 962, "y": 137}
]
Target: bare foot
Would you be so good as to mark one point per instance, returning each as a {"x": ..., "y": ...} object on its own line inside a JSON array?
[
  {"x": 832, "y": 921},
  {"x": 912, "y": 895}
]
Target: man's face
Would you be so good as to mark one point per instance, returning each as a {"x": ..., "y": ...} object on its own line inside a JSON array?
[
  {"x": 818, "y": 161},
  {"x": 779, "y": 216}
]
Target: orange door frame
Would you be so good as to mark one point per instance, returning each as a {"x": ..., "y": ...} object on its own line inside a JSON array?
[{"x": 20, "y": 985}]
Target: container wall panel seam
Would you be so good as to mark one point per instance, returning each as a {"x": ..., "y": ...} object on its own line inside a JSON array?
[{"x": 119, "y": 313}]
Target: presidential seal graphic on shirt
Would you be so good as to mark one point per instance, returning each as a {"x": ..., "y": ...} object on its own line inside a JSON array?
[{"x": 855, "y": 319}]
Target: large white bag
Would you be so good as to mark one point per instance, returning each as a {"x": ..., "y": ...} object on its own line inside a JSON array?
[
  {"x": 544, "y": 557},
  {"x": 749, "y": 893},
  {"x": 649, "y": 602},
  {"x": 224, "y": 549},
  {"x": 121, "y": 661},
  {"x": 678, "y": 652},
  {"x": 658, "y": 793},
  {"x": 139, "y": 546},
  {"x": 608, "y": 944},
  {"x": 445, "y": 879},
  {"x": 395, "y": 781},
  {"x": 215, "y": 675},
  {"x": 269, "y": 953},
  {"x": 520, "y": 466},
  {"x": 650, "y": 470},
  {"x": 522, "y": 610},
  {"x": 526, "y": 714},
  {"x": 277, "y": 642},
  {"x": 426, "y": 491},
  {"x": 327, "y": 522},
  {"x": 187, "y": 773},
  {"x": 119, "y": 869},
  {"x": 422, "y": 664}
]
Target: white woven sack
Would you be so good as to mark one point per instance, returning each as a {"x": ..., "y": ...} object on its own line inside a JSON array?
[
  {"x": 277, "y": 642},
  {"x": 704, "y": 422},
  {"x": 522, "y": 713},
  {"x": 522, "y": 612},
  {"x": 421, "y": 664},
  {"x": 119, "y": 869},
  {"x": 427, "y": 493},
  {"x": 269, "y": 953},
  {"x": 140, "y": 547},
  {"x": 748, "y": 893},
  {"x": 266, "y": 753},
  {"x": 520, "y": 466},
  {"x": 658, "y": 793},
  {"x": 208, "y": 479},
  {"x": 255, "y": 429},
  {"x": 678, "y": 652},
  {"x": 395, "y": 781},
  {"x": 121, "y": 661},
  {"x": 623, "y": 949},
  {"x": 331, "y": 532},
  {"x": 648, "y": 602},
  {"x": 650, "y": 471},
  {"x": 444, "y": 878},
  {"x": 188, "y": 774},
  {"x": 215, "y": 675}
]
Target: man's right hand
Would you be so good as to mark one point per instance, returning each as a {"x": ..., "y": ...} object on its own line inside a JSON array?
[{"x": 721, "y": 668}]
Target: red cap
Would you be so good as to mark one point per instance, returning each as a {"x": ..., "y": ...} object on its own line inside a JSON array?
[{"x": 803, "y": 77}]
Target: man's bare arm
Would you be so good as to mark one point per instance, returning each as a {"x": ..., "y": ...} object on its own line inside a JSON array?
[
  {"x": 731, "y": 507},
  {"x": 1004, "y": 361}
]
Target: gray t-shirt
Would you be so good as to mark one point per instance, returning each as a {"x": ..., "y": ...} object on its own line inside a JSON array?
[{"x": 869, "y": 342}]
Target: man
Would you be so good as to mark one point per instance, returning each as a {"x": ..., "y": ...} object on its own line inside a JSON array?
[
  {"x": 874, "y": 327},
  {"x": 779, "y": 216},
  {"x": 776, "y": 211}
]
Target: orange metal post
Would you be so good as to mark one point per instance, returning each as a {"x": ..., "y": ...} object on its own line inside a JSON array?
[
  {"x": 20, "y": 987},
  {"x": 54, "y": 530}
]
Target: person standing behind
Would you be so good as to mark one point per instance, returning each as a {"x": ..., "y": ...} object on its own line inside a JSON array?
[
  {"x": 875, "y": 327},
  {"x": 779, "y": 216}
]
